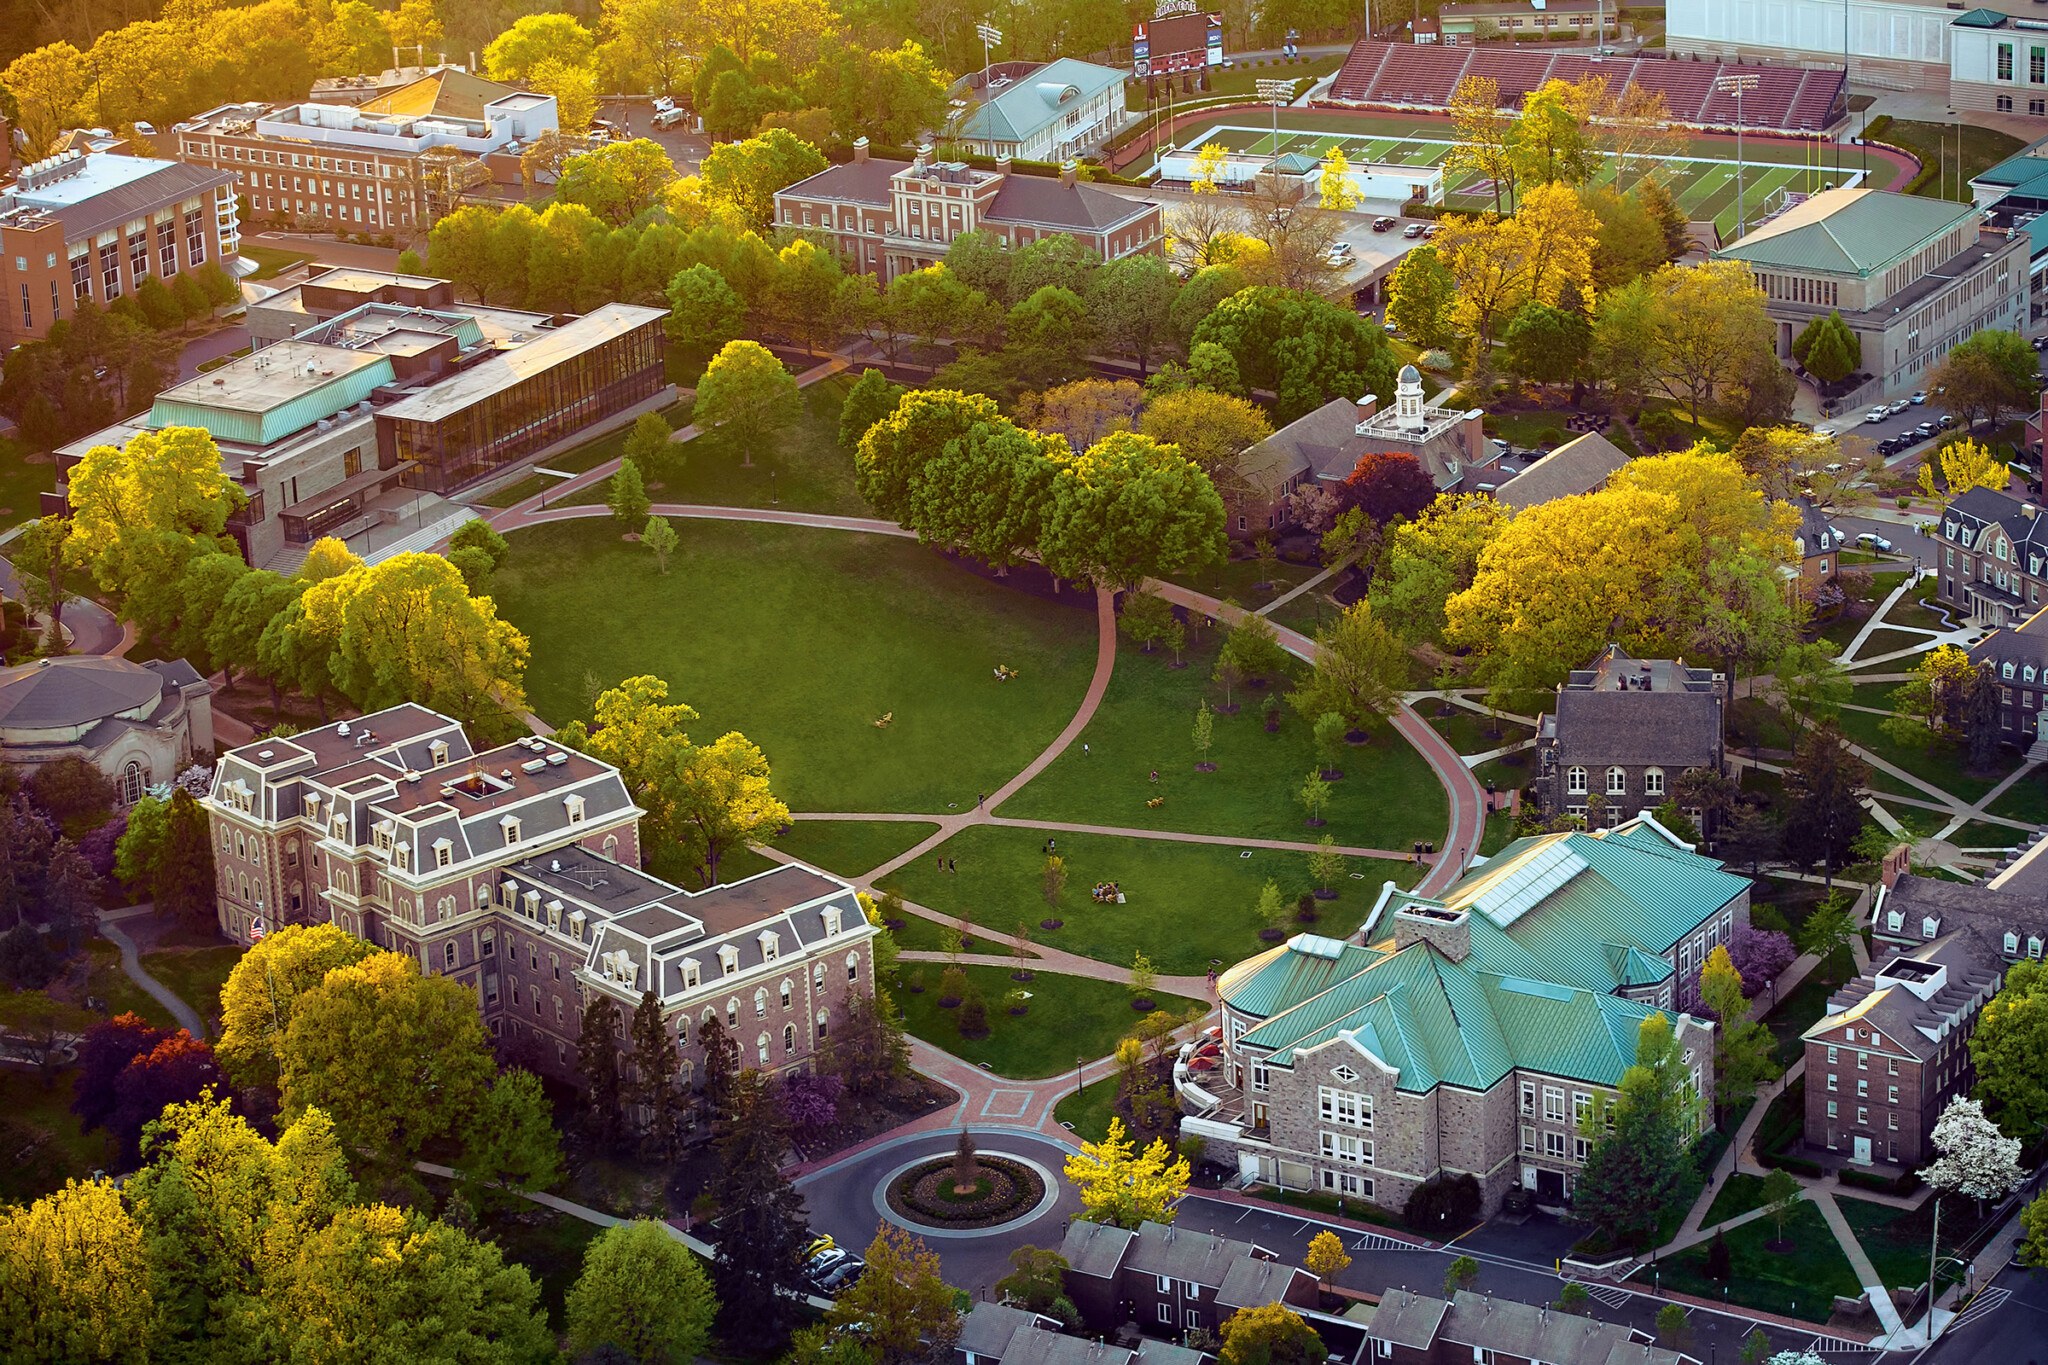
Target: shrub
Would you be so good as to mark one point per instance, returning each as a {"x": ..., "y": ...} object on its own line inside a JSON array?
[
  {"x": 1797, "y": 1165},
  {"x": 71, "y": 789},
  {"x": 952, "y": 987},
  {"x": 1443, "y": 1201},
  {"x": 26, "y": 962},
  {"x": 1904, "y": 1183},
  {"x": 973, "y": 1017}
]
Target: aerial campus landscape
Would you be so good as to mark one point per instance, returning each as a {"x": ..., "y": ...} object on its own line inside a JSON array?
[{"x": 908, "y": 685}]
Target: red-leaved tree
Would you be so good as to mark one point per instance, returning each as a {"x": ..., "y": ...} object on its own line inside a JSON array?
[{"x": 1385, "y": 485}]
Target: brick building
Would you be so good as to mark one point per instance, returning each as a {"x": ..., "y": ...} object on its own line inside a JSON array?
[
  {"x": 1407, "y": 1328},
  {"x": 1818, "y": 545},
  {"x": 1473, "y": 1033},
  {"x": 80, "y": 226},
  {"x": 515, "y": 871},
  {"x": 1993, "y": 557},
  {"x": 1893, "y": 1048},
  {"x": 381, "y": 167},
  {"x": 1623, "y": 730},
  {"x": 890, "y": 217},
  {"x": 1172, "y": 1281},
  {"x": 997, "y": 1334},
  {"x": 2018, "y": 658}
]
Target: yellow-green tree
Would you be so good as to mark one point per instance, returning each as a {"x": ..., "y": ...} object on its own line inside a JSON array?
[
  {"x": 48, "y": 85},
  {"x": 1708, "y": 327},
  {"x": 1501, "y": 263},
  {"x": 1326, "y": 1257},
  {"x": 902, "y": 1301},
  {"x": 1743, "y": 1046},
  {"x": 75, "y": 1279},
  {"x": 1963, "y": 465},
  {"x": 142, "y": 511},
  {"x": 1551, "y": 142},
  {"x": 1208, "y": 166},
  {"x": 1334, "y": 188},
  {"x": 263, "y": 989},
  {"x": 1123, "y": 1187},
  {"x": 1432, "y": 559},
  {"x": 1270, "y": 1334},
  {"x": 397, "y": 1058},
  {"x": 535, "y": 39},
  {"x": 1483, "y": 138},
  {"x": 643, "y": 1292}
]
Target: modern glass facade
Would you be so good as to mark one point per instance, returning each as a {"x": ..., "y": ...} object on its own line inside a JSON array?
[{"x": 528, "y": 414}]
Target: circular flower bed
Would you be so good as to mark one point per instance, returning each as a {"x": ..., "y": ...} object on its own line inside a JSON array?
[{"x": 1003, "y": 1190}]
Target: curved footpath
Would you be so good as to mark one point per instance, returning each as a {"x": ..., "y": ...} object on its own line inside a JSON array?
[{"x": 111, "y": 930}]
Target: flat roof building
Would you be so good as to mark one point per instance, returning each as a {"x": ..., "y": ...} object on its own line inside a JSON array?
[
  {"x": 381, "y": 168},
  {"x": 329, "y": 429},
  {"x": 93, "y": 225}
]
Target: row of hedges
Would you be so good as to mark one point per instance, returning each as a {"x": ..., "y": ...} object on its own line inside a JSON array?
[
  {"x": 1904, "y": 1183},
  {"x": 1873, "y": 134}
]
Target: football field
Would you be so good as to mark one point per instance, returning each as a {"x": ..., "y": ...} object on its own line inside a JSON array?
[{"x": 1702, "y": 178}]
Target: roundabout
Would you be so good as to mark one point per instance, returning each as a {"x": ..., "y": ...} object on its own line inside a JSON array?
[{"x": 1004, "y": 1191}]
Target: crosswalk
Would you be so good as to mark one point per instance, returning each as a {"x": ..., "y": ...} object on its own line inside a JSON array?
[
  {"x": 1985, "y": 1304},
  {"x": 1613, "y": 1296}
]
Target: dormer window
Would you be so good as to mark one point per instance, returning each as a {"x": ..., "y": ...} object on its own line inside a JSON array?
[
  {"x": 1929, "y": 926},
  {"x": 1895, "y": 920},
  {"x": 401, "y": 857},
  {"x": 340, "y": 828},
  {"x": 555, "y": 915},
  {"x": 728, "y": 960},
  {"x": 2009, "y": 670},
  {"x": 510, "y": 824},
  {"x": 2034, "y": 946},
  {"x": 2012, "y": 944},
  {"x": 832, "y": 914},
  {"x": 771, "y": 945},
  {"x": 574, "y": 805},
  {"x": 313, "y": 808},
  {"x": 576, "y": 923},
  {"x": 444, "y": 853},
  {"x": 437, "y": 751},
  {"x": 692, "y": 973}
]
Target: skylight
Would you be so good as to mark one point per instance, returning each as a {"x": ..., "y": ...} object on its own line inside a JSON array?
[{"x": 1525, "y": 885}]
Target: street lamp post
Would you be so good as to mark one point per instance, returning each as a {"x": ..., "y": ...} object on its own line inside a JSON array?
[
  {"x": 1077, "y": 1075},
  {"x": 1737, "y": 85},
  {"x": 1276, "y": 93}
]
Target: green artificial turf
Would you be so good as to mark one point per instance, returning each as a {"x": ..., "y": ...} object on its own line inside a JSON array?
[
  {"x": 803, "y": 470},
  {"x": 1802, "y": 1282},
  {"x": 1185, "y": 907},
  {"x": 802, "y": 639},
  {"x": 851, "y": 848},
  {"x": 1069, "y": 1017},
  {"x": 1388, "y": 798}
]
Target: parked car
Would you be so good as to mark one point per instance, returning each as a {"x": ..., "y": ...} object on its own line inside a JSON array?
[
  {"x": 1413, "y": 230},
  {"x": 1945, "y": 421},
  {"x": 1925, "y": 430},
  {"x": 841, "y": 1276},
  {"x": 1340, "y": 253},
  {"x": 1876, "y": 415},
  {"x": 825, "y": 1262},
  {"x": 1826, "y": 429},
  {"x": 1382, "y": 224},
  {"x": 1899, "y": 407},
  {"x": 1917, "y": 399},
  {"x": 1871, "y": 540},
  {"x": 669, "y": 118},
  {"x": 1888, "y": 446},
  {"x": 1430, "y": 231},
  {"x": 2041, "y": 343}
]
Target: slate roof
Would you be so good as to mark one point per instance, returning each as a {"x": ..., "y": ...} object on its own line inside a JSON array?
[
  {"x": 1250, "y": 1282},
  {"x": 1979, "y": 508},
  {"x": 1507, "y": 1327},
  {"x": 56, "y": 694},
  {"x": 1970, "y": 966},
  {"x": 1847, "y": 232},
  {"x": 1816, "y": 535},
  {"x": 2020, "y": 645},
  {"x": 1675, "y": 723},
  {"x": 1031, "y": 102},
  {"x": 1578, "y": 466},
  {"x": 987, "y": 1330},
  {"x": 1407, "y": 1319},
  {"x": 1096, "y": 1249},
  {"x": 1556, "y": 924},
  {"x": 1043, "y": 200}
]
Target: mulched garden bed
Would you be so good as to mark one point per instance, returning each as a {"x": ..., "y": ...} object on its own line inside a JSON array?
[{"x": 1004, "y": 1191}]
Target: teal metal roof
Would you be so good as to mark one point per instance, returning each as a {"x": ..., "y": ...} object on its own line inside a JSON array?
[
  {"x": 1979, "y": 18},
  {"x": 1028, "y": 105},
  {"x": 1847, "y": 232},
  {"x": 1283, "y": 977},
  {"x": 1295, "y": 163},
  {"x": 261, "y": 406}
]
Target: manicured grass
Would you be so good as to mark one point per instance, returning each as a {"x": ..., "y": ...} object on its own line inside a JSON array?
[
  {"x": 1500, "y": 832},
  {"x": 1755, "y": 721},
  {"x": 1741, "y": 1194},
  {"x": 851, "y": 847},
  {"x": 1878, "y": 695},
  {"x": 1917, "y": 821},
  {"x": 1239, "y": 581},
  {"x": 1984, "y": 834},
  {"x": 195, "y": 975},
  {"x": 2026, "y": 799},
  {"x": 1000, "y": 881},
  {"x": 550, "y": 1245},
  {"x": 41, "y": 1138},
  {"x": 516, "y": 492},
  {"x": 1509, "y": 772},
  {"x": 22, "y": 482},
  {"x": 1938, "y": 763},
  {"x": 1897, "y": 1240},
  {"x": 107, "y": 981},
  {"x": 1089, "y": 1111},
  {"x": 1530, "y": 430},
  {"x": 921, "y": 934},
  {"x": 1839, "y": 629},
  {"x": 1070, "y": 1016},
  {"x": 1882, "y": 641},
  {"x": 1471, "y": 733},
  {"x": 1388, "y": 798},
  {"x": 804, "y": 470},
  {"x": 272, "y": 261},
  {"x": 803, "y": 639},
  {"x": 1802, "y": 1282},
  {"x": 1982, "y": 148},
  {"x": 28, "y": 1009},
  {"x": 1307, "y": 613},
  {"x": 1797, "y": 1012}
]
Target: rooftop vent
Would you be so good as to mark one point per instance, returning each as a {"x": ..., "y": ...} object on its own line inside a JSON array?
[
  {"x": 266, "y": 754},
  {"x": 533, "y": 765},
  {"x": 557, "y": 759},
  {"x": 342, "y": 729}
]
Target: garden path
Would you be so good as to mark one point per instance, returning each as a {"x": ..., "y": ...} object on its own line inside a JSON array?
[{"x": 187, "y": 1017}]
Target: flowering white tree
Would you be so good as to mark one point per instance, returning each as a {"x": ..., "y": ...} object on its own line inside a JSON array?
[
  {"x": 1976, "y": 1159},
  {"x": 1795, "y": 1358}
]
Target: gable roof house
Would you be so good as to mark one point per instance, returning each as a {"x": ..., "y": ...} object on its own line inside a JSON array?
[
  {"x": 1425, "y": 1044},
  {"x": 1172, "y": 1280},
  {"x": 1623, "y": 730},
  {"x": 1581, "y": 465}
]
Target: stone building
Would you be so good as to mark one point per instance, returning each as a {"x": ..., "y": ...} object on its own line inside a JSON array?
[
  {"x": 887, "y": 218},
  {"x": 1623, "y": 730},
  {"x": 1466, "y": 1035},
  {"x": 515, "y": 871},
  {"x": 1893, "y": 1048},
  {"x": 1993, "y": 564},
  {"x": 137, "y": 723}
]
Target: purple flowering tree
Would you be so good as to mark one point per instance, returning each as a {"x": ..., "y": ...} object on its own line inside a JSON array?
[
  {"x": 810, "y": 1102},
  {"x": 1760, "y": 955}
]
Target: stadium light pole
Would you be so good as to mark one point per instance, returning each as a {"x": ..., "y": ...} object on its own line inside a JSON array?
[
  {"x": 990, "y": 36},
  {"x": 1737, "y": 85},
  {"x": 1276, "y": 93}
]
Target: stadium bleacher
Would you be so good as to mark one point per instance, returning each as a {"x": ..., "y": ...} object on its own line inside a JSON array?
[{"x": 1788, "y": 99}]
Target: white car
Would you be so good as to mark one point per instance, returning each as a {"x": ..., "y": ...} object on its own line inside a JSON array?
[
  {"x": 1871, "y": 540},
  {"x": 1876, "y": 415},
  {"x": 1340, "y": 253},
  {"x": 1826, "y": 429},
  {"x": 669, "y": 118},
  {"x": 1899, "y": 407},
  {"x": 1917, "y": 399}
]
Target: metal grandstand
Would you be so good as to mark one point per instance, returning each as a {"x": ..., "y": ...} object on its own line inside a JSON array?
[{"x": 1787, "y": 99}]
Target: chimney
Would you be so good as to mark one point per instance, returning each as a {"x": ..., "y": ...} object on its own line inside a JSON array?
[
  {"x": 1070, "y": 173},
  {"x": 860, "y": 151},
  {"x": 924, "y": 157},
  {"x": 1367, "y": 406},
  {"x": 1448, "y": 931},
  {"x": 1003, "y": 164},
  {"x": 2029, "y": 511}
]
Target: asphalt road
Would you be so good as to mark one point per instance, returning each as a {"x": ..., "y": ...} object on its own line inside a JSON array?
[
  {"x": 93, "y": 630},
  {"x": 2008, "y": 1325}
]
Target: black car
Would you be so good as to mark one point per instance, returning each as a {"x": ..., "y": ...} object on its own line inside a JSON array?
[
  {"x": 1382, "y": 224},
  {"x": 840, "y": 1276}
]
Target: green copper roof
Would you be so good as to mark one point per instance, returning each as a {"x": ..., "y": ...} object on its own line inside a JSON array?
[
  {"x": 1847, "y": 232},
  {"x": 1979, "y": 18},
  {"x": 1297, "y": 970},
  {"x": 1024, "y": 106}
]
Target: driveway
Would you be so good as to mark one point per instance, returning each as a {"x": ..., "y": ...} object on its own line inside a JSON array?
[
  {"x": 93, "y": 629},
  {"x": 212, "y": 346}
]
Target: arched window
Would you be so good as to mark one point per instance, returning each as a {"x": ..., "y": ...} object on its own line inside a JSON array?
[
  {"x": 761, "y": 1048},
  {"x": 1617, "y": 782},
  {"x": 611, "y": 847},
  {"x": 706, "y": 1020},
  {"x": 1575, "y": 781},
  {"x": 853, "y": 966},
  {"x": 788, "y": 1039},
  {"x": 134, "y": 781},
  {"x": 824, "y": 1023},
  {"x": 685, "y": 1072},
  {"x": 732, "y": 1012},
  {"x": 817, "y": 974},
  {"x": 786, "y": 988},
  {"x": 761, "y": 1003},
  {"x": 1653, "y": 781},
  {"x": 682, "y": 1031}
]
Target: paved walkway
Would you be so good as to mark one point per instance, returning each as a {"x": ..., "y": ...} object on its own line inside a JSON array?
[
  {"x": 111, "y": 930},
  {"x": 1309, "y": 585}
]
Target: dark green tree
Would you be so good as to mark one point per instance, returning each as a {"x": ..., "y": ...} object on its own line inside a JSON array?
[
  {"x": 871, "y": 398},
  {"x": 654, "y": 1077},
  {"x": 721, "y": 1067},
  {"x": 184, "y": 879},
  {"x": 761, "y": 1225},
  {"x": 597, "y": 1059},
  {"x": 1641, "y": 1166},
  {"x": 511, "y": 1145},
  {"x": 1304, "y": 349},
  {"x": 627, "y": 496},
  {"x": 1547, "y": 345},
  {"x": 1825, "y": 783}
]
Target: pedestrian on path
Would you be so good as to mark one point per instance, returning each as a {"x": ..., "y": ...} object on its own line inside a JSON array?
[
  {"x": 979, "y": 799},
  {"x": 952, "y": 865},
  {"x": 1084, "y": 748}
]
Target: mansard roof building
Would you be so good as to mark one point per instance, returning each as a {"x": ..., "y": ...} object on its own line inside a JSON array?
[{"x": 515, "y": 871}]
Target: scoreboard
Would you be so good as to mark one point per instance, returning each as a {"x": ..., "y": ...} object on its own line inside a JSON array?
[{"x": 1178, "y": 38}]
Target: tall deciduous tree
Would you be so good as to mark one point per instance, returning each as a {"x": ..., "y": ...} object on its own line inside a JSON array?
[
  {"x": 872, "y": 397},
  {"x": 1130, "y": 307},
  {"x": 2007, "y": 1048},
  {"x": 746, "y": 174},
  {"x": 142, "y": 511},
  {"x": 510, "y": 1145},
  {"x": 1270, "y": 1334},
  {"x": 1484, "y": 141},
  {"x": 642, "y": 1293},
  {"x": 901, "y": 1300},
  {"x": 1742, "y": 1046},
  {"x": 1641, "y": 1166},
  {"x": 1129, "y": 509},
  {"x": 1987, "y": 375},
  {"x": 1304, "y": 349},
  {"x": 1387, "y": 484},
  {"x": 618, "y": 181},
  {"x": 264, "y": 988},
  {"x": 1360, "y": 669},
  {"x": 705, "y": 312},
  {"x": 1123, "y": 1187},
  {"x": 748, "y": 395},
  {"x": 1420, "y": 298},
  {"x": 627, "y": 496},
  {"x": 1976, "y": 1159},
  {"x": 75, "y": 1278},
  {"x": 396, "y": 1058}
]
